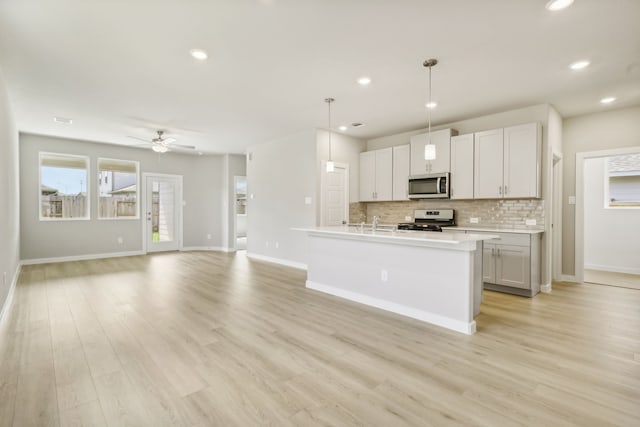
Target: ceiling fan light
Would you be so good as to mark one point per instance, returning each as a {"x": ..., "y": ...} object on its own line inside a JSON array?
[{"x": 158, "y": 148}]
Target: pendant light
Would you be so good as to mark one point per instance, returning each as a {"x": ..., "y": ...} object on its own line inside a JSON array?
[
  {"x": 330, "y": 164},
  {"x": 429, "y": 148}
]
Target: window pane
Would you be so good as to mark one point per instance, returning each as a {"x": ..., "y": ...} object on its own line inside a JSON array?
[
  {"x": 63, "y": 186},
  {"x": 117, "y": 189},
  {"x": 624, "y": 180}
]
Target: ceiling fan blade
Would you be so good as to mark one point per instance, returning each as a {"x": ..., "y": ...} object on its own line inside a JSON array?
[
  {"x": 168, "y": 140},
  {"x": 139, "y": 139},
  {"x": 190, "y": 147}
]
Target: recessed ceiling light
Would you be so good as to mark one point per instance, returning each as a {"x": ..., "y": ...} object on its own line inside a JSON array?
[
  {"x": 579, "y": 65},
  {"x": 199, "y": 54},
  {"x": 607, "y": 100},
  {"x": 554, "y": 5},
  {"x": 364, "y": 80},
  {"x": 431, "y": 105},
  {"x": 63, "y": 120},
  {"x": 342, "y": 128}
]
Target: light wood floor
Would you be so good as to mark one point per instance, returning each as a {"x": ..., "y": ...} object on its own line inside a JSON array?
[
  {"x": 213, "y": 339},
  {"x": 611, "y": 278}
]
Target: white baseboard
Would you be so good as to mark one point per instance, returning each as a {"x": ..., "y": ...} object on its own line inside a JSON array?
[
  {"x": 80, "y": 257},
  {"x": 546, "y": 288},
  {"x": 12, "y": 288},
  {"x": 568, "y": 278},
  {"x": 205, "y": 248},
  {"x": 425, "y": 316},
  {"x": 628, "y": 270},
  {"x": 281, "y": 261}
]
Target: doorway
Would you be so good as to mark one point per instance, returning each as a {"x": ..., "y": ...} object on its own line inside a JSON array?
[
  {"x": 608, "y": 217},
  {"x": 334, "y": 203},
  {"x": 240, "y": 197},
  {"x": 163, "y": 212}
]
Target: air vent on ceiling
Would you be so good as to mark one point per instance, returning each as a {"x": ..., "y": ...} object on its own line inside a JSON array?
[{"x": 357, "y": 125}]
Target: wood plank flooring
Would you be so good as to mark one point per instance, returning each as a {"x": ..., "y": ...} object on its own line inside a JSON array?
[{"x": 215, "y": 339}]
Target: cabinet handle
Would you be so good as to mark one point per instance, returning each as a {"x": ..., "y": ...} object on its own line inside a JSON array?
[
  {"x": 493, "y": 252},
  {"x": 498, "y": 252},
  {"x": 505, "y": 190},
  {"x": 500, "y": 190}
]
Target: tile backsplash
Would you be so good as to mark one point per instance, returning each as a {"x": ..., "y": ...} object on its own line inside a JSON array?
[{"x": 490, "y": 213}]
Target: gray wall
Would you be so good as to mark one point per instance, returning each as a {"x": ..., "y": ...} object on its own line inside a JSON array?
[
  {"x": 591, "y": 132},
  {"x": 280, "y": 174},
  {"x": 202, "y": 192},
  {"x": 10, "y": 206}
]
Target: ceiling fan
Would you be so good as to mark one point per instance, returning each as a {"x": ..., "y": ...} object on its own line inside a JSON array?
[{"x": 162, "y": 144}]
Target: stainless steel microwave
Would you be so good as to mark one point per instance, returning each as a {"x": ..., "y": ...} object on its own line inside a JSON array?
[{"x": 431, "y": 186}]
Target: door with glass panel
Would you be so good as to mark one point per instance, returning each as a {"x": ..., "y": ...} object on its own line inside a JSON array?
[{"x": 163, "y": 219}]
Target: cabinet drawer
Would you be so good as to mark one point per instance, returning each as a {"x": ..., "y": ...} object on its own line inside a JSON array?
[{"x": 508, "y": 238}]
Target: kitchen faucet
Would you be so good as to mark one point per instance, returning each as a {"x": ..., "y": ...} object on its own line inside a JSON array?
[{"x": 376, "y": 218}]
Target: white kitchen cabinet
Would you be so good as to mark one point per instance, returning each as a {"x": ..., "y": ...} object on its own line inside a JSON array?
[
  {"x": 461, "y": 186},
  {"x": 522, "y": 168},
  {"x": 488, "y": 164},
  {"x": 401, "y": 168},
  {"x": 376, "y": 175},
  {"x": 507, "y": 162},
  {"x": 442, "y": 140}
]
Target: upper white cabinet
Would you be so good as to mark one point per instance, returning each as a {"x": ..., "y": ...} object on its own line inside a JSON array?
[
  {"x": 442, "y": 140},
  {"x": 461, "y": 186},
  {"x": 376, "y": 175},
  {"x": 522, "y": 168},
  {"x": 507, "y": 162},
  {"x": 401, "y": 168},
  {"x": 488, "y": 152}
]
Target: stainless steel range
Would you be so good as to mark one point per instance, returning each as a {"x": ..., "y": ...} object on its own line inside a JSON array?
[{"x": 430, "y": 220}]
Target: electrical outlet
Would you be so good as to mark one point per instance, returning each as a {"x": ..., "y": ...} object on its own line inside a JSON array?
[
  {"x": 572, "y": 200},
  {"x": 120, "y": 240},
  {"x": 208, "y": 236},
  {"x": 277, "y": 245},
  {"x": 384, "y": 275},
  {"x": 474, "y": 220},
  {"x": 407, "y": 218},
  {"x": 530, "y": 222},
  {"x": 308, "y": 200}
]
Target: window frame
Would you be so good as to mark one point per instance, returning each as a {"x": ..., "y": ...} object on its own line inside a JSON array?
[
  {"x": 607, "y": 186},
  {"x": 87, "y": 162},
  {"x": 128, "y": 218}
]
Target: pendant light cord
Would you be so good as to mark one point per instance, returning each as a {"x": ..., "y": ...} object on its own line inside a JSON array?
[{"x": 429, "y": 105}]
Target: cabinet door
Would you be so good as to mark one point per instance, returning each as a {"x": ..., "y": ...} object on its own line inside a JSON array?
[
  {"x": 384, "y": 174},
  {"x": 462, "y": 167},
  {"x": 513, "y": 266},
  {"x": 488, "y": 165},
  {"x": 367, "y": 176},
  {"x": 522, "y": 150},
  {"x": 488, "y": 263},
  {"x": 442, "y": 140},
  {"x": 401, "y": 165}
]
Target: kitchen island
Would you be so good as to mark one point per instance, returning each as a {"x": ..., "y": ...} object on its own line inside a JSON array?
[{"x": 433, "y": 277}]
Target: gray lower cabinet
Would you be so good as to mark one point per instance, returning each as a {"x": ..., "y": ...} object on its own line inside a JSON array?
[{"x": 511, "y": 263}]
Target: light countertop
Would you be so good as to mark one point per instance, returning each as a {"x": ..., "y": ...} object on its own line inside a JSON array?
[
  {"x": 497, "y": 229},
  {"x": 457, "y": 241}
]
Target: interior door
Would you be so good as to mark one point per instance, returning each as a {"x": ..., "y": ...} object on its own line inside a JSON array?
[
  {"x": 163, "y": 223},
  {"x": 335, "y": 196}
]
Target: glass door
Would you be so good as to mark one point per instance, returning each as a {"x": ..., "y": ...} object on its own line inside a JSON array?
[{"x": 163, "y": 213}]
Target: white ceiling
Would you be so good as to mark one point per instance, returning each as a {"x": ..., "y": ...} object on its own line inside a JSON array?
[{"x": 121, "y": 68}]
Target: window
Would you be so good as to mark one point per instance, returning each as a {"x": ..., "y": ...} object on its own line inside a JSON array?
[
  {"x": 623, "y": 181},
  {"x": 63, "y": 187},
  {"x": 117, "y": 189}
]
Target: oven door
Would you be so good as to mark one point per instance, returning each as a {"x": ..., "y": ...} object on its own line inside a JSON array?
[{"x": 434, "y": 186}]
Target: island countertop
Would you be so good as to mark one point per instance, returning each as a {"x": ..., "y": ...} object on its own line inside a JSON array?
[{"x": 453, "y": 241}]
